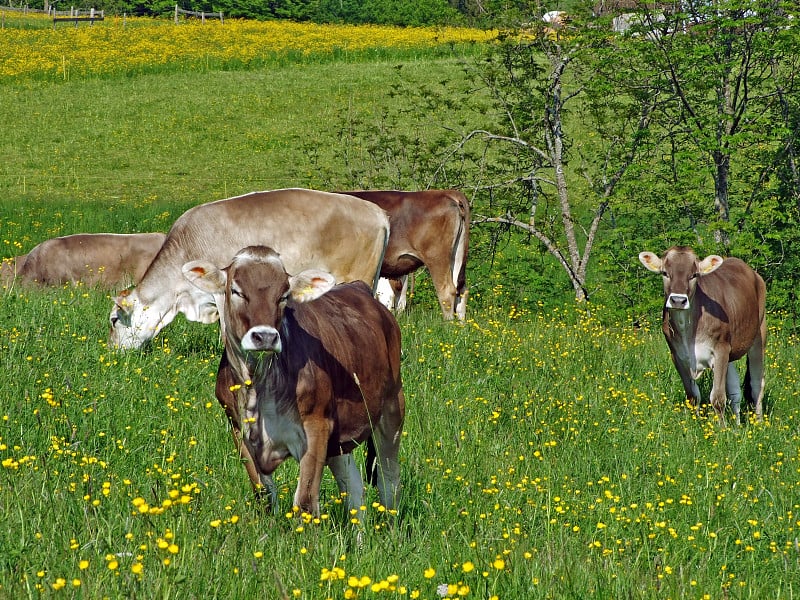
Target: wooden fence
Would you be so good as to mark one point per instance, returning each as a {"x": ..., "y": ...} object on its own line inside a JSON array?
[
  {"x": 197, "y": 15},
  {"x": 76, "y": 15}
]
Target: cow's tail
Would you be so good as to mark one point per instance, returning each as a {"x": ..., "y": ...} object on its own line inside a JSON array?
[
  {"x": 458, "y": 259},
  {"x": 377, "y": 276}
]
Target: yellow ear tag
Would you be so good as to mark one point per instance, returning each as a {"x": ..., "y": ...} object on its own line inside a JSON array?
[{"x": 307, "y": 292}]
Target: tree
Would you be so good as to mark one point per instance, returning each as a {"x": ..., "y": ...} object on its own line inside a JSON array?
[
  {"x": 566, "y": 143},
  {"x": 722, "y": 64}
]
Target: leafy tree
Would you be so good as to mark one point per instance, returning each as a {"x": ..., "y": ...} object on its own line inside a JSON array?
[
  {"x": 719, "y": 64},
  {"x": 566, "y": 144}
]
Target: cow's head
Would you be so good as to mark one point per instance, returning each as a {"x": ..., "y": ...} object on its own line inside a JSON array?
[
  {"x": 681, "y": 270},
  {"x": 252, "y": 293},
  {"x": 135, "y": 322}
]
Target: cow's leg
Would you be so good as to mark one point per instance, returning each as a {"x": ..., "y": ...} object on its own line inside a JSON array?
[
  {"x": 306, "y": 497},
  {"x": 385, "y": 467},
  {"x": 442, "y": 280},
  {"x": 400, "y": 289},
  {"x": 461, "y": 304},
  {"x": 227, "y": 398},
  {"x": 733, "y": 388},
  {"x": 348, "y": 478},
  {"x": 690, "y": 386},
  {"x": 754, "y": 379},
  {"x": 718, "y": 395}
]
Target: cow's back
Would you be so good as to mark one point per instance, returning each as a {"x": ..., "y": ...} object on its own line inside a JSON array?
[
  {"x": 108, "y": 259},
  {"x": 308, "y": 228},
  {"x": 420, "y": 221},
  {"x": 733, "y": 297},
  {"x": 342, "y": 333}
]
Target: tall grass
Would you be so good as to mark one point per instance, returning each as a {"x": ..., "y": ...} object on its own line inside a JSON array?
[{"x": 544, "y": 456}]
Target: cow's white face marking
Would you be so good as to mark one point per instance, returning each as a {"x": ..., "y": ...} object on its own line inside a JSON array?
[
  {"x": 262, "y": 338},
  {"x": 133, "y": 323}
]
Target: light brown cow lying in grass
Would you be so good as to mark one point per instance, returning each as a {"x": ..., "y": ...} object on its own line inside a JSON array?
[{"x": 107, "y": 260}]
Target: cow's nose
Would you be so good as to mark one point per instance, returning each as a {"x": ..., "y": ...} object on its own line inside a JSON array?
[
  {"x": 679, "y": 301},
  {"x": 262, "y": 339}
]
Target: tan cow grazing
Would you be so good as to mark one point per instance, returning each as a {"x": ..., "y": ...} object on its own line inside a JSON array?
[
  {"x": 714, "y": 314},
  {"x": 344, "y": 235},
  {"x": 428, "y": 228},
  {"x": 311, "y": 370},
  {"x": 107, "y": 260}
]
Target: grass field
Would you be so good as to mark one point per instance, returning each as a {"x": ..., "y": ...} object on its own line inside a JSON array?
[{"x": 547, "y": 452}]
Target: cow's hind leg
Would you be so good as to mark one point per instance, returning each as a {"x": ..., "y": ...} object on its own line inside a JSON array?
[
  {"x": 383, "y": 465},
  {"x": 734, "y": 390},
  {"x": 350, "y": 483},
  {"x": 754, "y": 377}
]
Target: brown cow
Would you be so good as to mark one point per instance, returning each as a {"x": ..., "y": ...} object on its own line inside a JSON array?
[
  {"x": 107, "y": 260},
  {"x": 428, "y": 228},
  {"x": 342, "y": 234},
  {"x": 714, "y": 314},
  {"x": 307, "y": 379}
]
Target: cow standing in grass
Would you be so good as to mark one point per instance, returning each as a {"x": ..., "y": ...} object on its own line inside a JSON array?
[
  {"x": 429, "y": 228},
  {"x": 345, "y": 235},
  {"x": 310, "y": 371},
  {"x": 714, "y": 314}
]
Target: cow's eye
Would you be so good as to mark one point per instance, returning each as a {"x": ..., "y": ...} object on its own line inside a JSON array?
[
  {"x": 694, "y": 276},
  {"x": 664, "y": 274},
  {"x": 237, "y": 292},
  {"x": 285, "y": 298}
]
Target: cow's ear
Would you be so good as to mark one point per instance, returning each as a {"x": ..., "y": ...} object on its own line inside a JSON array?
[
  {"x": 310, "y": 285},
  {"x": 650, "y": 261},
  {"x": 710, "y": 263},
  {"x": 205, "y": 276}
]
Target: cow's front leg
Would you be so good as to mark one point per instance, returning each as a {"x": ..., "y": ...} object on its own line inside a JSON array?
[
  {"x": 306, "y": 497},
  {"x": 689, "y": 384}
]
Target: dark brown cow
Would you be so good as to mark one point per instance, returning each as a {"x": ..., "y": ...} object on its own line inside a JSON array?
[
  {"x": 107, "y": 260},
  {"x": 428, "y": 228},
  {"x": 714, "y": 314},
  {"x": 307, "y": 379}
]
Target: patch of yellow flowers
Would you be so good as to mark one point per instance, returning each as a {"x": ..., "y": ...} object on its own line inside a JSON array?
[{"x": 128, "y": 45}]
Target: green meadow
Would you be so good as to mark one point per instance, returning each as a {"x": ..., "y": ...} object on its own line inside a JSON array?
[{"x": 547, "y": 451}]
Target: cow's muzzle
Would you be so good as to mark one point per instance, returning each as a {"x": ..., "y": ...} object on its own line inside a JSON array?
[
  {"x": 262, "y": 338},
  {"x": 678, "y": 301}
]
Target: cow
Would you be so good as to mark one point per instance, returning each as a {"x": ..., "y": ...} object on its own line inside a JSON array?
[
  {"x": 104, "y": 260},
  {"x": 342, "y": 234},
  {"x": 428, "y": 228},
  {"x": 310, "y": 370},
  {"x": 714, "y": 314}
]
